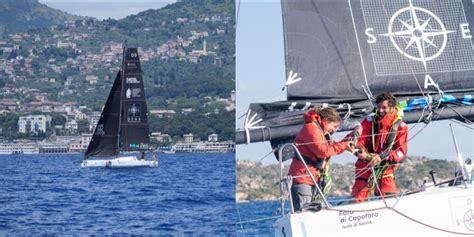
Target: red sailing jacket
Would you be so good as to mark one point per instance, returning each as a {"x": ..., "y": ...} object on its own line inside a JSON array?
[
  {"x": 399, "y": 148},
  {"x": 313, "y": 145}
]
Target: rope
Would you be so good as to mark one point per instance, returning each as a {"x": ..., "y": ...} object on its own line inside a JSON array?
[
  {"x": 427, "y": 225},
  {"x": 237, "y": 15},
  {"x": 463, "y": 124},
  {"x": 402, "y": 214},
  {"x": 257, "y": 220},
  {"x": 240, "y": 218},
  {"x": 408, "y": 63},
  {"x": 348, "y": 113},
  {"x": 466, "y": 120},
  {"x": 260, "y": 160}
]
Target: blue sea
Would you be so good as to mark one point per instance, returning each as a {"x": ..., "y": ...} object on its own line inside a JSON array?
[
  {"x": 256, "y": 218},
  {"x": 187, "y": 195}
]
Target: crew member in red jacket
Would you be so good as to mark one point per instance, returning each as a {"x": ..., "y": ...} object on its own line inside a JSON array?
[
  {"x": 316, "y": 148},
  {"x": 382, "y": 144}
]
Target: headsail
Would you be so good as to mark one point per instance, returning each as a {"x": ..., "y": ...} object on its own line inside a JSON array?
[
  {"x": 340, "y": 53},
  {"x": 134, "y": 131},
  {"x": 104, "y": 140}
]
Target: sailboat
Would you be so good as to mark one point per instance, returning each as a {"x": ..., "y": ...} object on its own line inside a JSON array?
[
  {"x": 340, "y": 54},
  {"x": 123, "y": 124}
]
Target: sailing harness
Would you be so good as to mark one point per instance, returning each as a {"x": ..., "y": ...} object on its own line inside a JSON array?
[
  {"x": 322, "y": 166},
  {"x": 389, "y": 142}
]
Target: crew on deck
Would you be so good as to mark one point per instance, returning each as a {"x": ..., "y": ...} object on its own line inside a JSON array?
[
  {"x": 314, "y": 144},
  {"x": 382, "y": 145}
]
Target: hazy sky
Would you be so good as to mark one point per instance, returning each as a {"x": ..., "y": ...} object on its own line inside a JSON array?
[
  {"x": 261, "y": 75},
  {"x": 103, "y": 9}
]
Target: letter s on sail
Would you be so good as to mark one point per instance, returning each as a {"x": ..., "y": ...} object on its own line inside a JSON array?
[{"x": 371, "y": 38}]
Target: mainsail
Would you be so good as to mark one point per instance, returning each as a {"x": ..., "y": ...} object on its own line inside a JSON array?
[
  {"x": 123, "y": 125},
  {"x": 342, "y": 53},
  {"x": 134, "y": 132}
]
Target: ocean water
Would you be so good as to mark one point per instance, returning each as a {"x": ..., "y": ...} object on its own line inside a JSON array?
[
  {"x": 187, "y": 195},
  {"x": 256, "y": 218}
]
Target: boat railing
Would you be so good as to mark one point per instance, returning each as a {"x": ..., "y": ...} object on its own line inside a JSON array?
[{"x": 283, "y": 177}]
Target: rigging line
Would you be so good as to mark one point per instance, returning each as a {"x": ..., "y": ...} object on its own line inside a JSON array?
[
  {"x": 376, "y": 181},
  {"x": 406, "y": 60},
  {"x": 277, "y": 96},
  {"x": 243, "y": 115},
  {"x": 331, "y": 37},
  {"x": 428, "y": 225},
  {"x": 240, "y": 218},
  {"x": 260, "y": 160},
  {"x": 336, "y": 171},
  {"x": 410, "y": 138},
  {"x": 402, "y": 214},
  {"x": 399, "y": 197},
  {"x": 358, "y": 174},
  {"x": 257, "y": 220},
  {"x": 462, "y": 124},
  {"x": 460, "y": 115},
  {"x": 321, "y": 142},
  {"x": 410, "y": 129},
  {"x": 237, "y": 15},
  {"x": 366, "y": 91},
  {"x": 359, "y": 210}
]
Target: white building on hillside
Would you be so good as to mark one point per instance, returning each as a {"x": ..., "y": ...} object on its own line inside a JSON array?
[{"x": 34, "y": 123}]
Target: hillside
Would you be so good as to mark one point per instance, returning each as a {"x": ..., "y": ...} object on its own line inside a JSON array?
[
  {"x": 187, "y": 55},
  {"x": 23, "y": 15},
  {"x": 257, "y": 182}
]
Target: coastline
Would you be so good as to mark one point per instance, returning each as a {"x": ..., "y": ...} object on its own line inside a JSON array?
[{"x": 256, "y": 182}]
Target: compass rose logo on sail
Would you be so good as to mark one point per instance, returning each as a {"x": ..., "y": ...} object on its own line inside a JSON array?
[
  {"x": 418, "y": 33},
  {"x": 418, "y": 36}
]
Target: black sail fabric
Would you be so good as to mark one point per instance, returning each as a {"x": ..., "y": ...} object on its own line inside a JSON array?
[
  {"x": 339, "y": 53},
  {"x": 105, "y": 138},
  {"x": 337, "y": 47},
  {"x": 134, "y": 131}
]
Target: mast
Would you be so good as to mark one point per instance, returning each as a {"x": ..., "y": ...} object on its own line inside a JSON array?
[{"x": 121, "y": 94}]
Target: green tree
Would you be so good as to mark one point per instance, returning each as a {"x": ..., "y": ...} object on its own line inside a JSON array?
[
  {"x": 57, "y": 119},
  {"x": 83, "y": 126}
]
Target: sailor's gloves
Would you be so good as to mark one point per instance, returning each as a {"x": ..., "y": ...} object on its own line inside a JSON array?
[{"x": 369, "y": 157}]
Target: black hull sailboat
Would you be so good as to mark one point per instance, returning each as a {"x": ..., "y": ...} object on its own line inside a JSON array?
[{"x": 123, "y": 124}]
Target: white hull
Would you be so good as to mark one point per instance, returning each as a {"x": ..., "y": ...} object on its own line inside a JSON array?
[
  {"x": 446, "y": 208},
  {"x": 120, "y": 162}
]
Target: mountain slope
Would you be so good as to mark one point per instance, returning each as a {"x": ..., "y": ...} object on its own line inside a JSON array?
[
  {"x": 187, "y": 53},
  {"x": 23, "y": 15}
]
